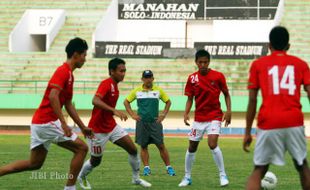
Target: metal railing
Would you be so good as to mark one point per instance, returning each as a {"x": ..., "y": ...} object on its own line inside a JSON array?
[{"x": 89, "y": 87}]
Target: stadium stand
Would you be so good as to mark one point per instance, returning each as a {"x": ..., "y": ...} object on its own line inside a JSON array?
[
  {"x": 296, "y": 18},
  {"x": 24, "y": 75},
  {"x": 81, "y": 21}
]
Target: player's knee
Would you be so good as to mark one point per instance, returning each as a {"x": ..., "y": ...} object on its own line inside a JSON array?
[
  {"x": 161, "y": 147},
  {"x": 261, "y": 170},
  {"x": 133, "y": 151},
  {"x": 144, "y": 147},
  {"x": 298, "y": 167},
  {"x": 36, "y": 166},
  {"x": 192, "y": 149},
  {"x": 83, "y": 148},
  {"x": 212, "y": 145},
  {"x": 193, "y": 145},
  {"x": 95, "y": 161}
]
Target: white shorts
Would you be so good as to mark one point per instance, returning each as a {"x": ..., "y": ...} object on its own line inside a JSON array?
[
  {"x": 48, "y": 133},
  {"x": 271, "y": 145},
  {"x": 97, "y": 144},
  {"x": 199, "y": 128}
]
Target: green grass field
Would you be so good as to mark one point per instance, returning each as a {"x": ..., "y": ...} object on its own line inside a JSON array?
[{"x": 115, "y": 172}]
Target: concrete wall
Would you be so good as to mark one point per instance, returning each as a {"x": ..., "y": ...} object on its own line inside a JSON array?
[{"x": 36, "y": 27}]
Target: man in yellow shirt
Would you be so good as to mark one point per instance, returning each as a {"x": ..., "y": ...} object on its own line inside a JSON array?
[{"x": 149, "y": 129}]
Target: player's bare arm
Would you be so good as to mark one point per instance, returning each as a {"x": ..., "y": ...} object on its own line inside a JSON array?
[
  {"x": 55, "y": 104},
  {"x": 188, "y": 107},
  {"x": 87, "y": 132},
  {"x": 251, "y": 111},
  {"x": 102, "y": 105},
  {"x": 120, "y": 114},
  {"x": 227, "y": 115},
  {"x": 163, "y": 115},
  {"x": 130, "y": 111}
]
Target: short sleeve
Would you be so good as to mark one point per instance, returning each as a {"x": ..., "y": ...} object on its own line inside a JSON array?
[
  {"x": 189, "y": 90},
  {"x": 163, "y": 96},
  {"x": 223, "y": 83},
  {"x": 103, "y": 89},
  {"x": 132, "y": 95},
  {"x": 59, "y": 79},
  {"x": 253, "y": 82}
]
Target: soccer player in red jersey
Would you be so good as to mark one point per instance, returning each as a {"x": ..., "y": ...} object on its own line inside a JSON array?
[
  {"x": 106, "y": 129},
  {"x": 205, "y": 86},
  {"x": 280, "y": 126},
  {"x": 48, "y": 123}
]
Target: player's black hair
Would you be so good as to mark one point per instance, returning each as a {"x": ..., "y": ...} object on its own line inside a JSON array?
[
  {"x": 76, "y": 45},
  {"x": 279, "y": 38},
  {"x": 202, "y": 53},
  {"x": 113, "y": 63}
]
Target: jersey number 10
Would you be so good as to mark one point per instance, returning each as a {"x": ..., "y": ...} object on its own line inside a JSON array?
[{"x": 287, "y": 81}]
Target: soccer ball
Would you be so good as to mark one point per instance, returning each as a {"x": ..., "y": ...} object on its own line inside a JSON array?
[{"x": 269, "y": 181}]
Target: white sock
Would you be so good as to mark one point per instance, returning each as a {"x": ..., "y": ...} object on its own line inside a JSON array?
[
  {"x": 168, "y": 167},
  {"x": 86, "y": 169},
  {"x": 189, "y": 160},
  {"x": 70, "y": 187},
  {"x": 134, "y": 162},
  {"x": 218, "y": 158}
]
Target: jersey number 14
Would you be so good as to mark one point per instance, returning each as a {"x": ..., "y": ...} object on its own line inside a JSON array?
[{"x": 287, "y": 81}]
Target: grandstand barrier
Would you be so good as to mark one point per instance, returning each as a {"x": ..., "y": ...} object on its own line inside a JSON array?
[
  {"x": 172, "y": 88},
  {"x": 89, "y": 87},
  {"x": 19, "y": 100},
  {"x": 83, "y": 102},
  {"x": 17, "y": 110},
  {"x": 36, "y": 30}
]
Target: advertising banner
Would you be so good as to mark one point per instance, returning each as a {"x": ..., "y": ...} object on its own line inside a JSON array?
[
  {"x": 197, "y": 9},
  {"x": 130, "y": 49},
  {"x": 161, "y": 10},
  {"x": 231, "y": 50}
]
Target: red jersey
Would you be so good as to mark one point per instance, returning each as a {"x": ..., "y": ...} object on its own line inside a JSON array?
[
  {"x": 206, "y": 91},
  {"x": 62, "y": 80},
  {"x": 102, "y": 121},
  {"x": 279, "y": 76}
]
